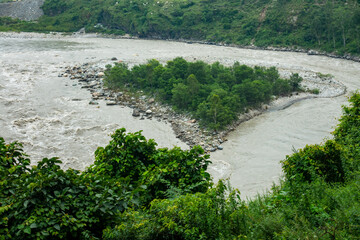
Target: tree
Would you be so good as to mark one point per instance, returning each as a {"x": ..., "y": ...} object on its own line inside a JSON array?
[
  {"x": 45, "y": 201},
  {"x": 181, "y": 96},
  {"x": 117, "y": 76},
  {"x": 178, "y": 67},
  {"x": 342, "y": 21},
  {"x": 214, "y": 108},
  {"x": 193, "y": 85},
  {"x": 281, "y": 87},
  {"x": 242, "y": 72},
  {"x": 295, "y": 81},
  {"x": 153, "y": 172},
  {"x": 199, "y": 69}
]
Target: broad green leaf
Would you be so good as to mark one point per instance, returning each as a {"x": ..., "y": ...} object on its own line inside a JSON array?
[
  {"x": 27, "y": 230},
  {"x": 33, "y": 225},
  {"x": 57, "y": 227}
]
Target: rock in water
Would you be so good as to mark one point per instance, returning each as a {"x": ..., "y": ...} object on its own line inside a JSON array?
[
  {"x": 93, "y": 103},
  {"x": 136, "y": 113}
]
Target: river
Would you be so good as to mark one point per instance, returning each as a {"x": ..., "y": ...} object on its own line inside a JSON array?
[{"x": 51, "y": 116}]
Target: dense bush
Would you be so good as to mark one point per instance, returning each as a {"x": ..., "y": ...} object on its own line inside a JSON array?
[
  {"x": 316, "y": 161},
  {"x": 216, "y": 214},
  {"x": 159, "y": 172},
  {"x": 211, "y": 92},
  {"x": 46, "y": 202}
]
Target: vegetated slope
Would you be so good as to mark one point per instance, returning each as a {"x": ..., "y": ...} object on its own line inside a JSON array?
[
  {"x": 135, "y": 191},
  {"x": 333, "y": 26}
]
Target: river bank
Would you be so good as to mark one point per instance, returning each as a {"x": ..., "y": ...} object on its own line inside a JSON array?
[{"x": 81, "y": 34}]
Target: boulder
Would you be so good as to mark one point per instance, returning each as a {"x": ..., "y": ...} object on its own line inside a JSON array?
[
  {"x": 312, "y": 52},
  {"x": 111, "y": 103},
  {"x": 148, "y": 112},
  {"x": 136, "y": 113},
  {"x": 192, "y": 121},
  {"x": 101, "y": 74},
  {"x": 151, "y": 100},
  {"x": 96, "y": 94}
]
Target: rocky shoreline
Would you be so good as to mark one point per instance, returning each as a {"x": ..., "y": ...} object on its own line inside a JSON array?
[{"x": 90, "y": 77}]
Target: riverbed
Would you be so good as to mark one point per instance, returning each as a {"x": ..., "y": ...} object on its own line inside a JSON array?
[{"x": 51, "y": 116}]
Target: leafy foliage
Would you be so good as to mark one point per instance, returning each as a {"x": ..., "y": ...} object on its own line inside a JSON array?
[
  {"x": 44, "y": 201},
  {"x": 214, "y": 93},
  {"x": 156, "y": 172},
  {"x": 316, "y": 161},
  {"x": 332, "y": 26},
  {"x": 210, "y": 215}
]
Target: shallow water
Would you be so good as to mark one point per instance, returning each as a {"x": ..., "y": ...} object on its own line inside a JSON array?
[{"x": 38, "y": 108}]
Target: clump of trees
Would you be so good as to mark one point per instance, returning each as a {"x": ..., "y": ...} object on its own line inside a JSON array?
[
  {"x": 213, "y": 93},
  {"x": 135, "y": 191}
]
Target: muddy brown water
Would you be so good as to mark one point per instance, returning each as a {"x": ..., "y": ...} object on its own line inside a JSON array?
[{"x": 38, "y": 109}]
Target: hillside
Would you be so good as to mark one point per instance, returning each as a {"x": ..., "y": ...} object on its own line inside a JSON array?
[
  {"x": 26, "y": 10},
  {"x": 332, "y": 26}
]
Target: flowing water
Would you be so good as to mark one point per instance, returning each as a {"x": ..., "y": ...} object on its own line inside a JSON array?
[{"x": 51, "y": 116}]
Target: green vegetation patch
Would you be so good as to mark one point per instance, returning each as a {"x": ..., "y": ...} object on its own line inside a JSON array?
[
  {"x": 45, "y": 202},
  {"x": 213, "y": 93}
]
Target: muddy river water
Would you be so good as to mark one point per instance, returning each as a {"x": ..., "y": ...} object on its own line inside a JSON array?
[{"x": 38, "y": 108}]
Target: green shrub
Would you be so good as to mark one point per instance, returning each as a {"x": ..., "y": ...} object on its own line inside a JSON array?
[{"x": 315, "y": 161}]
